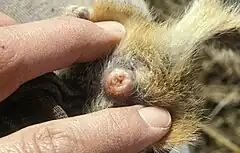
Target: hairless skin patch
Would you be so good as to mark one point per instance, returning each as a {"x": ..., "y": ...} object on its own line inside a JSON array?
[{"x": 119, "y": 82}]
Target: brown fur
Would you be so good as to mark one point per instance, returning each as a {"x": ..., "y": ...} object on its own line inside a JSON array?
[{"x": 169, "y": 56}]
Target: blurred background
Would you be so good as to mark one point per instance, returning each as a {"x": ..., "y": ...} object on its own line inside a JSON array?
[
  {"x": 33, "y": 10},
  {"x": 222, "y": 71}
]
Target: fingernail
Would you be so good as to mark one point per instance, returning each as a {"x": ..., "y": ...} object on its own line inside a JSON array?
[
  {"x": 156, "y": 117},
  {"x": 112, "y": 27}
]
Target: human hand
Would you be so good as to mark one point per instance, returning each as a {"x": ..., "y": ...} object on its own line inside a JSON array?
[{"x": 29, "y": 50}]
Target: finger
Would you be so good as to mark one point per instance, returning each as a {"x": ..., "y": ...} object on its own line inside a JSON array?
[
  {"x": 117, "y": 130},
  {"x": 5, "y": 20},
  {"x": 31, "y": 49}
]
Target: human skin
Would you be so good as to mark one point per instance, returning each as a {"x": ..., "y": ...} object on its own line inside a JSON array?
[{"x": 32, "y": 49}]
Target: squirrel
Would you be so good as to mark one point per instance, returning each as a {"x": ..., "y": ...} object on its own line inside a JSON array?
[{"x": 156, "y": 63}]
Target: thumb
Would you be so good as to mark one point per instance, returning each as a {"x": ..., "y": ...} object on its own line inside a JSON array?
[{"x": 118, "y": 130}]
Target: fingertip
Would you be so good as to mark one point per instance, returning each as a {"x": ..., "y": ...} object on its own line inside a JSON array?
[
  {"x": 114, "y": 28},
  {"x": 111, "y": 41},
  {"x": 6, "y": 20},
  {"x": 109, "y": 35},
  {"x": 156, "y": 117}
]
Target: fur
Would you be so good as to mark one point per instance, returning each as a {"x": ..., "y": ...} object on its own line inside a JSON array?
[{"x": 167, "y": 60}]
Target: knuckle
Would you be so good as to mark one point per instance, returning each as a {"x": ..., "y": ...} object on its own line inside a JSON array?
[
  {"x": 122, "y": 123},
  {"x": 118, "y": 120},
  {"x": 118, "y": 125},
  {"x": 115, "y": 121},
  {"x": 52, "y": 139}
]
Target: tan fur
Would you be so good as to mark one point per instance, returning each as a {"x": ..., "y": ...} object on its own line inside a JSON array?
[{"x": 171, "y": 52}]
